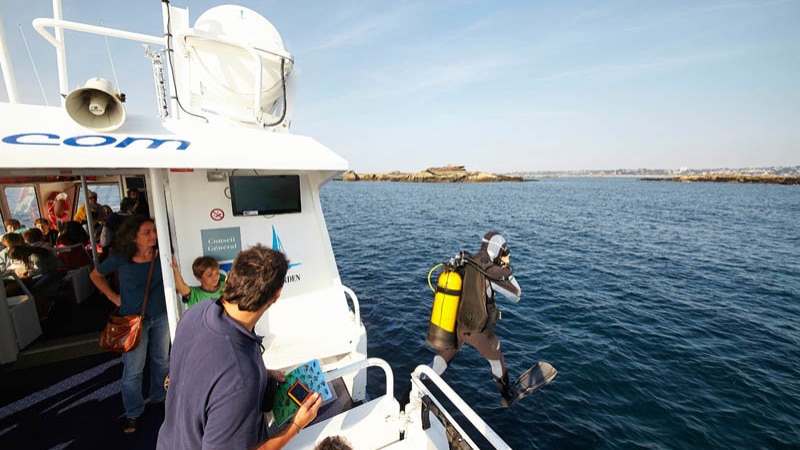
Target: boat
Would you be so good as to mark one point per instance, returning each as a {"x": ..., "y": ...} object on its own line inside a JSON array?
[{"x": 221, "y": 171}]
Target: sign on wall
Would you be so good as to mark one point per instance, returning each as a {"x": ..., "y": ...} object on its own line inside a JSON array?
[{"x": 222, "y": 244}]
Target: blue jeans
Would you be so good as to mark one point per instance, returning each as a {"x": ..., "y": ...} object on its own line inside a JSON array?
[{"x": 155, "y": 335}]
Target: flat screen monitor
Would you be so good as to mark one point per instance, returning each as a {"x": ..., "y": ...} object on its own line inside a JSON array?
[{"x": 260, "y": 195}]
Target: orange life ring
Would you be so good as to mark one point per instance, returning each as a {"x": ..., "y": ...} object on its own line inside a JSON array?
[{"x": 58, "y": 209}]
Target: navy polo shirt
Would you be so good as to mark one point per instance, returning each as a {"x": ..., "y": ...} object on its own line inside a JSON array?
[{"x": 217, "y": 381}]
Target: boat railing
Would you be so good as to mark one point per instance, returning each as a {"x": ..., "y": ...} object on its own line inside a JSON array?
[
  {"x": 40, "y": 25},
  {"x": 354, "y": 299},
  {"x": 426, "y": 373},
  {"x": 375, "y": 423},
  {"x": 361, "y": 365}
]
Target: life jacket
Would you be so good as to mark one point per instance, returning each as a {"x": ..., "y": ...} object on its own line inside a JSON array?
[{"x": 476, "y": 310}]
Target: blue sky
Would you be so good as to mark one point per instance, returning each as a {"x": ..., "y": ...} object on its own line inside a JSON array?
[{"x": 497, "y": 86}]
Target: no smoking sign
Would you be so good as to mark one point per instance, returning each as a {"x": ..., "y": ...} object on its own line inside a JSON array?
[{"x": 217, "y": 214}]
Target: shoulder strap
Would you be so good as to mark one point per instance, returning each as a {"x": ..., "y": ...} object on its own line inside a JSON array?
[{"x": 147, "y": 286}]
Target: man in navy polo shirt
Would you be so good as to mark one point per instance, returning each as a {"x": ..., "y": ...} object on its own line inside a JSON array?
[{"x": 217, "y": 376}]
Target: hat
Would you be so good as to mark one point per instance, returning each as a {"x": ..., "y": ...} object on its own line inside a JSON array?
[{"x": 494, "y": 244}]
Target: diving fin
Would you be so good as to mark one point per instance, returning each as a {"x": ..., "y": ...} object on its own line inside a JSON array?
[{"x": 533, "y": 379}]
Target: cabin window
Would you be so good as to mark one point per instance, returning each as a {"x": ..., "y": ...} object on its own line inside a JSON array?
[
  {"x": 22, "y": 204},
  {"x": 107, "y": 194}
]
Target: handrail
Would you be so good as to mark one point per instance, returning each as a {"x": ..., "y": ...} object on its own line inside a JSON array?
[
  {"x": 41, "y": 23},
  {"x": 60, "y": 25},
  {"x": 354, "y": 298},
  {"x": 458, "y": 402},
  {"x": 363, "y": 364}
]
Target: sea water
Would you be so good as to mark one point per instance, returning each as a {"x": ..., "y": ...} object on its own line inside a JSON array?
[{"x": 671, "y": 310}]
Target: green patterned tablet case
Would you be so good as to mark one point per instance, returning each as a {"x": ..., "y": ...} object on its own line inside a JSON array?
[{"x": 309, "y": 374}]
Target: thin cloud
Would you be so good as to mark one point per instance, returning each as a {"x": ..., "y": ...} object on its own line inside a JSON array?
[
  {"x": 357, "y": 28},
  {"x": 625, "y": 71}
]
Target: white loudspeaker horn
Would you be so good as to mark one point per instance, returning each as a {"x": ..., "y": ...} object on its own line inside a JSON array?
[{"x": 96, "y": 106}]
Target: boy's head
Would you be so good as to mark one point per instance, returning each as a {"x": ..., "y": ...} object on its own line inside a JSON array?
[
  {"x": 42, "y": 224},
  {"x": 13, "y": 239},
  {"x": 33, "y": 235},
  {"x": 12, "y": 225},
  {"x": 206, "y": 270}
]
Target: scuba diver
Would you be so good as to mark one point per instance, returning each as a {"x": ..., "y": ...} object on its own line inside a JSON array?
[{"x": 484, "y": 274}]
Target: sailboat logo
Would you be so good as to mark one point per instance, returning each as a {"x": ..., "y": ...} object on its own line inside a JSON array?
[{"x": 278, "y": 245}]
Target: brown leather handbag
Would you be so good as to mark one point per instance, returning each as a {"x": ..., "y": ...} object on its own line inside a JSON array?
[{"x": 124, "y": 333}]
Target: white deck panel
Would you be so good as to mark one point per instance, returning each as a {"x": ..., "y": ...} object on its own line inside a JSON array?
[
  {"x": 45, "y": 137},
  {"x": 316, "y": 325},
  {"x": 372, "y": 425}
]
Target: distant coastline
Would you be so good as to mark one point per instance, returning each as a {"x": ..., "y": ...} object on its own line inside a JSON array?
[
  {"x": 778, "y": 171},
  {"x": 717, "y": 178},
  {"x": 785, "y": 175},
  {"x": 446, "y": 174}
]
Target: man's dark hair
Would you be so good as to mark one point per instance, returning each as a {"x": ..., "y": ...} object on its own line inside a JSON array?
[{"x": 255, "y": 278}]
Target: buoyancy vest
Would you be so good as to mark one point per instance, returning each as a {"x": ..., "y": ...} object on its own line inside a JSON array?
[{"x": 476, "y": 310}]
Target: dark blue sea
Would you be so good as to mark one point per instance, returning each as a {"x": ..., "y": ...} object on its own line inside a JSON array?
[{"x": 671, "y": 310}]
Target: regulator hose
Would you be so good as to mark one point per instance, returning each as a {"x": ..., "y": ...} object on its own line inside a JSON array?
[{"x": 429, "y": 276}]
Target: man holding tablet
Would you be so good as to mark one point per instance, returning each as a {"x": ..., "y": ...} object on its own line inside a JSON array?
[{"x": 217, "y": 376}]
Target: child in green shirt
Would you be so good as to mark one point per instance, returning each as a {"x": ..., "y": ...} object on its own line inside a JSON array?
[{"x": 206, "y": 270}]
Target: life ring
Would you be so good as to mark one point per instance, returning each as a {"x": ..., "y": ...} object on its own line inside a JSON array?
[{"x": 58, "y": 209}]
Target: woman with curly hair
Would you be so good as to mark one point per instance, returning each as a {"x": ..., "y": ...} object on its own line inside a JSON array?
[{"x": 135, "y": 249}]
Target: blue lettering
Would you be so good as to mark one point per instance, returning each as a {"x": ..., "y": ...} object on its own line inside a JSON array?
[
  {"x": 90, "y": 140},
  {"x": 73, "y": 141},
  {"x": 154, "y": 143},
  {"x": 15, "y": 139}
]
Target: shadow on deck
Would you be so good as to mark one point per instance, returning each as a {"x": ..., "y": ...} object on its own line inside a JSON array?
[{"x": 64, "y": 391}]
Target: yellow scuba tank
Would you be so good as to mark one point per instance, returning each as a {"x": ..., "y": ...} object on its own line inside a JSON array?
[{"x": 441, "y": 329}]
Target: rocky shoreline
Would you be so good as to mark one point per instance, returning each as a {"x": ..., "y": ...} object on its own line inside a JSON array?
[
  {"x": 732, "y": 178},
  {"x": 446, "y": 174}
]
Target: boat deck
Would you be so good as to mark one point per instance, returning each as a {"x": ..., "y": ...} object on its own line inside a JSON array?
[{"x": 64, "y": 391}]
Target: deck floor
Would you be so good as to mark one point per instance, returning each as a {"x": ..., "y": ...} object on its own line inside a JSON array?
[{"x": 64, "y": 391}]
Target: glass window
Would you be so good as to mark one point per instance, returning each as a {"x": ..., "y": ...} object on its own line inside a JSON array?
[
  {"x": 23, "y": 204},
  {"x": 107, "y": 194}
]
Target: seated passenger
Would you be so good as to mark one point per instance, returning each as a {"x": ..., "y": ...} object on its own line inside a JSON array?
[
  {"x": 96, "y": 209},
  {"x": 9, "y": 240},
  {"x": 35, "y": 238},
  {"x": 41, "y": 272},
  {"x": 71, "y": 235},
  {"x": 50, "y": 233},
  {"x": 13, "y": 226},
  {"x": 206, "y": 270}
]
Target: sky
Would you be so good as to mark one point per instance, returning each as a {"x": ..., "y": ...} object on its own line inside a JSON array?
[{"x": 496, "y": 86}]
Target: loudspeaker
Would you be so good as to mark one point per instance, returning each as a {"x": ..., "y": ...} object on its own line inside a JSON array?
[{"x": 96, "y": 106}]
